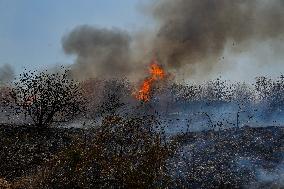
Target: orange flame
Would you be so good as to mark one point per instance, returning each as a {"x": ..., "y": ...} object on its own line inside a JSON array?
[{"x": 156, "y": 73}]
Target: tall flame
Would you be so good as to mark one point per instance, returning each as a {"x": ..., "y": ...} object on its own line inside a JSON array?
[{"x": 156, "y": 73}]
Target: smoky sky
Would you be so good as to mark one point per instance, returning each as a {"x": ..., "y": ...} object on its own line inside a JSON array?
[
  {"x": 6, "y": 73},
  {"x": 188, "y": 32},
  {"x": 100, "y": 52},
  {"x": 191, "y": 31}
]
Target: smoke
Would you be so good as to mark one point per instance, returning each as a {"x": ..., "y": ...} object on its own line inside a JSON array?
[
  {"x": 100, "y": 52},
  {"x": 270, "y": 179},
  {"x": 190, "y": 37},
  {"x": 196, "y": 32},
  {"x": 6, "y": 74}
]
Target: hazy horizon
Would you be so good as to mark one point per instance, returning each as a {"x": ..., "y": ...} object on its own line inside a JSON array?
[{"x": 31, "y": 37}]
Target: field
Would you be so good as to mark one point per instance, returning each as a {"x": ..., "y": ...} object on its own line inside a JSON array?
[{"x": 250, "y": 157}]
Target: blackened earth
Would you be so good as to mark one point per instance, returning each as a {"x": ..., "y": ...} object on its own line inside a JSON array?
[{"x": 233, "y": 158}]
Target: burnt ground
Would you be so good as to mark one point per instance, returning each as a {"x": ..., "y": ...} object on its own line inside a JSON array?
[
  {"x": 251, "y": 157},
  {"x": 241, "y": 157}
]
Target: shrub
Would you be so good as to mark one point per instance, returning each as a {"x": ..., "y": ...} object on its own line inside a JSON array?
[
  {"x": 46, "y": 97},
  {"x": 125, "y": 153}
]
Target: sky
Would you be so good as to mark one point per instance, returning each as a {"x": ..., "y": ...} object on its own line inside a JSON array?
[{"x": 31, "y": 30}]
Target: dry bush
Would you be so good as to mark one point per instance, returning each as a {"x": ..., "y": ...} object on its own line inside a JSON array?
[
  {"x": 124, "y": 153},
  {"x": 46, "y": 97},
  {"x": 4, "y": 184}
]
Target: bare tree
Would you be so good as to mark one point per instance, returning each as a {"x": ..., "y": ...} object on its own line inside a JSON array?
[{"x": 46, "y": 97}]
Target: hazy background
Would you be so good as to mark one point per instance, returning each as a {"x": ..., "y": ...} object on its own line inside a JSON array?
[
  {"x": 31, "y": 30},
  {"x": 237, "y": 40}
]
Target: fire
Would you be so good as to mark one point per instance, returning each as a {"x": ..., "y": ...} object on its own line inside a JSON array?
[{"x": 156, "y": 73}]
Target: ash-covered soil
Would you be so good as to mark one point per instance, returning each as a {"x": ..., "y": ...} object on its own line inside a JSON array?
[
  {"x": 251, "y": 157},
  {"x": 243, "y": 157}
]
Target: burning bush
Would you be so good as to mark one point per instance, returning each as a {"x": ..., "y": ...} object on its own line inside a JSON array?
[
  {"x": 156, "y": 73},
  {"x": 46, "y": 97}
]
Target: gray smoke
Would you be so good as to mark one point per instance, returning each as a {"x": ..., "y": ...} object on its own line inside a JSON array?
[
  {"x": 196, "y": 31},
  {"x": 190, "y": 35},
  {"x": 100, "y": 52},
  {"x": 6, "y": 74}
]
